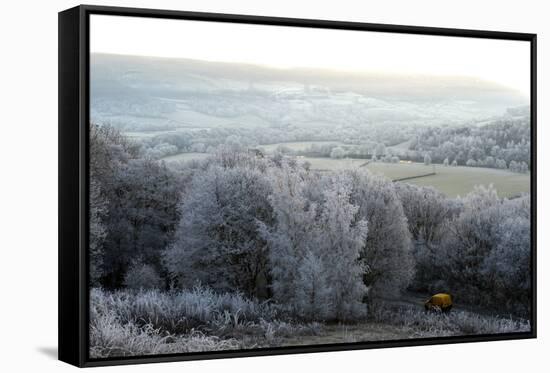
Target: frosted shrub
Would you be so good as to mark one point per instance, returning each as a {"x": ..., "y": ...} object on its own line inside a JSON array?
[
  {"x": 387, "y": 247},
  {"x": 110, "y": 337},
  {"x": 337, "y": 153},
  {"x": 436, "y": 324},
  {"x": 178, "y": 312},
  {"x": 125, "y": 323},
  {"x": 142, "y": 276}
]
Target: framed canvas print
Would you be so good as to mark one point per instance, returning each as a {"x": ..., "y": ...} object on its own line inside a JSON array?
[{"x": 238, "y": 185}]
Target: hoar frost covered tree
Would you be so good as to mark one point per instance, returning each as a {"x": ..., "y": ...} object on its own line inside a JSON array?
[
  {"x": 143, "y": 215},
  {"x": 427, "y": 159},
  {"x": 387, "y": 248},
  {"x": 469, "y": 240},
  {"x": 142, "y": 276},
  {"x": 508, "y": 266},
  {"x": 315, "y": 247},
  {"x": 291, "y": 239},
  {"x": 319, "y": 245},
  {"x": 312, "y": 294},
  {"x": 337, "y": 153},
  {"x": 98, "y": 230},
  {"x": 427, "y": 211},
  {"x": 341, "y": 234},
  {"x": 217, "y": 241},
  {"x": 487, "y": 251},
  {"x": 476, "y": 247},
  {"x": 132, "y": 206}
]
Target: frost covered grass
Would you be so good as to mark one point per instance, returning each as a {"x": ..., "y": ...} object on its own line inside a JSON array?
[
  {"x": 126, "y": 323},
  {"x": 129, "y": 323},
  {"x": 179, "y": 311},
  {"x": 110, "y": 337},
  {"x": 422, "y": 324}
]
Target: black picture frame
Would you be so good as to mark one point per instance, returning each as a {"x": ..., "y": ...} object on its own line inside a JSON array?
[{"x": 74, "y": 113}]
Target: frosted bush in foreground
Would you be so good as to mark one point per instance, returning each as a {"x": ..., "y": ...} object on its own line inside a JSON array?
[
  {"x": 177, "y": 311},
  {"x": 423, "y": 324},
  {"x": 142, "y": 276},
  {"x": 129, "y": 323},
  {"x": 109, "y": 337},
  {"x": 125, "y": 323}
]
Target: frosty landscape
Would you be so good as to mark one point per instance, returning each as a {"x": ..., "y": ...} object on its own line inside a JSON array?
[{"x": 237, "y": 206}]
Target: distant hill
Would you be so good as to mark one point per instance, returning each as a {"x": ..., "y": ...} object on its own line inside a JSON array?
[{"x": 154, "y": 93}]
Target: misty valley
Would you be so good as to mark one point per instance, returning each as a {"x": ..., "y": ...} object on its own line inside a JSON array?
[{"x": 237, "y": 206}]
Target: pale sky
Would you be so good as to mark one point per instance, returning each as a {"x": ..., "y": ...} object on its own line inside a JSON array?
[{"x": 502, "y": 61}]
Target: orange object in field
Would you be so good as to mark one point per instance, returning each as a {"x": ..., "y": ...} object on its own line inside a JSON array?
[{"x": 441, "y": 301}]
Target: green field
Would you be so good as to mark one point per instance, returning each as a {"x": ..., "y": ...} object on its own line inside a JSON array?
[{"x": 452, "y": 181}]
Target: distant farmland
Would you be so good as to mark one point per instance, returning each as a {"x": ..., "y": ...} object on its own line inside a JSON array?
[
  {"x": 296, "y": 145},
  {"x": 452, "y": 181}
]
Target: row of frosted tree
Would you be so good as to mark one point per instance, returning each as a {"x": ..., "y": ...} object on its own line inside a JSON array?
[
  {"x": 502, "y": 143},
  {"x": 321, "y": 245}
]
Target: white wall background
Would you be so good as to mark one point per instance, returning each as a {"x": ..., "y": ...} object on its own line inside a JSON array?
[{"x": 28, "y": 184}]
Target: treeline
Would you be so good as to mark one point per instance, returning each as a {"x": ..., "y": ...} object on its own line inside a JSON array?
[
  {"x": 357, "y": 140},
  {"x": 321, "y": 245},
  {"x": 133, "y": 208},
  {"x": 504, "y": 143}
]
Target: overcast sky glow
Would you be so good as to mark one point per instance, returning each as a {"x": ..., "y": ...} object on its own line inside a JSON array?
[{"x": 501, "y": 61}]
